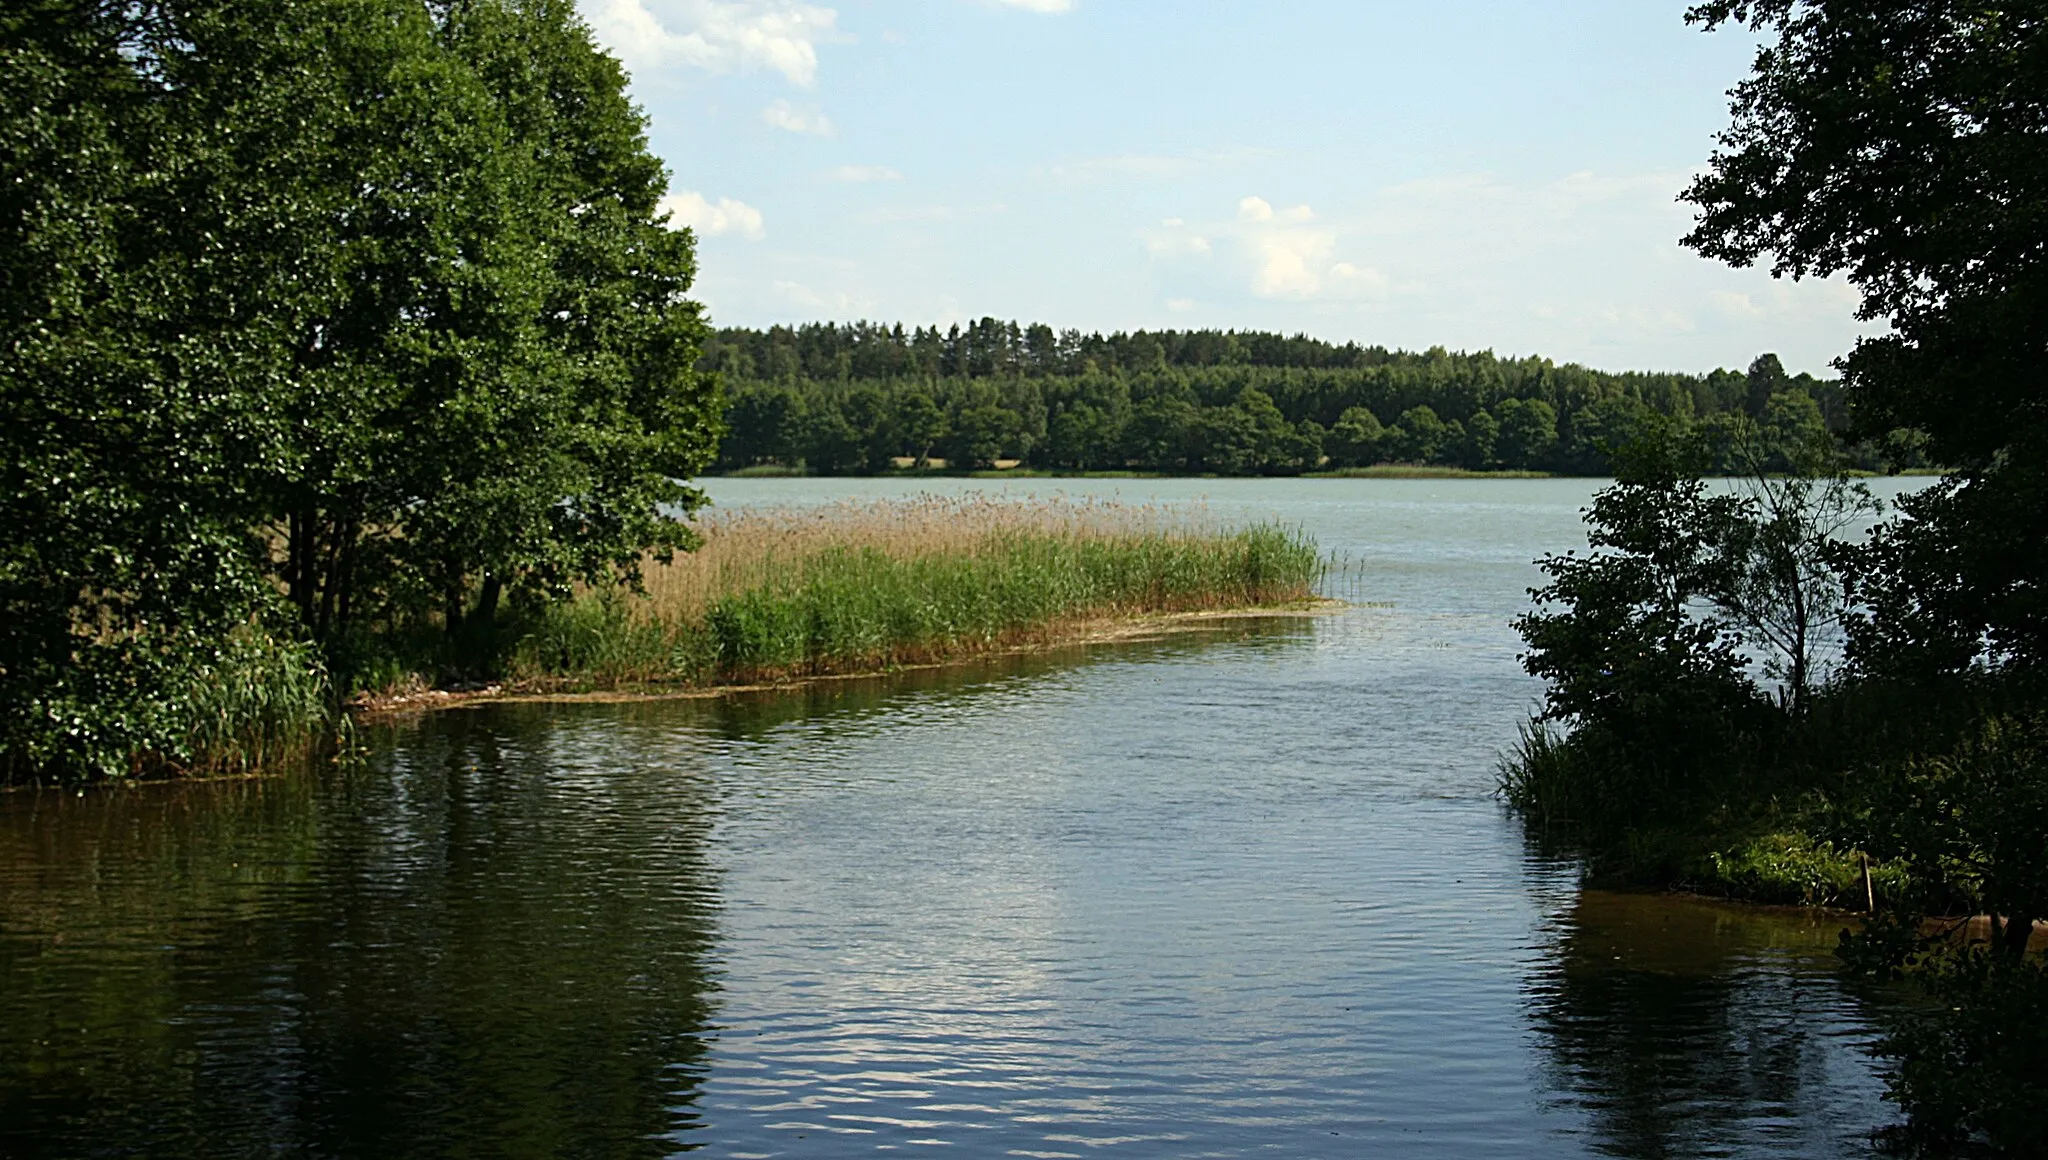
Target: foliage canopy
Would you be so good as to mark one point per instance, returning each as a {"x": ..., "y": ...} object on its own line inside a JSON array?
[
  {"x": 367, "y": 303},
  {"x": 1903, "y": 143}
]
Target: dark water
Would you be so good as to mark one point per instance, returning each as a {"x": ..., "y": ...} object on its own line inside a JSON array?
[{"x": 1232, "y": 893}]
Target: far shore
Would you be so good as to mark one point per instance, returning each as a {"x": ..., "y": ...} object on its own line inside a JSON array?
[{"x": 1377, "y": 471}]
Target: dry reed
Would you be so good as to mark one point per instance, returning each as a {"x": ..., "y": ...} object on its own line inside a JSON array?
[
  {"x": 754, "y": 548},
  {"x": 794, "y": 592}
]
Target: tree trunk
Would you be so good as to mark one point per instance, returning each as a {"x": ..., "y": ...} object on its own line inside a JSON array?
[
  {"x": 2012, "y": 941},
  {"x": 301, "y": 548},
  {"x": 486, "y": 613},
  {"x": 330, "y": 579}
]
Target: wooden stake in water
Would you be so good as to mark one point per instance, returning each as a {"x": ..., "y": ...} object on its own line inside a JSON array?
[{"x": 1869, "y": 895}]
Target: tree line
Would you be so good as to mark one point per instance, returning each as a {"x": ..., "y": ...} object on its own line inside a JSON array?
[
  {"x": 858, "y": 398},
  {"x": 321, "y": 322}
]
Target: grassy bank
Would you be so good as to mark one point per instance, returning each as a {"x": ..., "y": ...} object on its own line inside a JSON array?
[
  {"x": 1377, "y": 471},
  {"x": 1735, "y": 837},
  {"x": 1423, "y": 471},
  {"x": 787, "y": 594},
  {"x": 1766, "y": 806},
  {"x": 198, "y": 707},
  {"x": 769, "y": 596}
]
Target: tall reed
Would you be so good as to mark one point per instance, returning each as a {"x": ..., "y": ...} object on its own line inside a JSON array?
[
  {"x": 260, "y": 699},
  {"x": 856, "y": 587}
]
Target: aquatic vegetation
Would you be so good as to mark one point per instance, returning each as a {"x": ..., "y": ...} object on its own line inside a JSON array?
[{"x": 793, "y": 593}]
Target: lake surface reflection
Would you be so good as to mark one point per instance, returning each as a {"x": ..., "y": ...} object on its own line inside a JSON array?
[{"x": 1241, "y": 891}]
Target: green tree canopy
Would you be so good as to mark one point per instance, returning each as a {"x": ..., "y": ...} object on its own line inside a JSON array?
[
  {"x": 1901, "y": 143},
  {"x": 364, "y": 300}
]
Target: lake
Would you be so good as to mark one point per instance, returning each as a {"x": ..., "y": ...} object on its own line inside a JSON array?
[{"x": 1243, "y": 891}]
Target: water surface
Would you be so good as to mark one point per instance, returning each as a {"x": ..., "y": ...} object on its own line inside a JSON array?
[{"x": 1242, "y": 892}]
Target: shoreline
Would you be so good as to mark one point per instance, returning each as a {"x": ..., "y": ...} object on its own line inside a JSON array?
[
  {"x": 1044, "y": 638},
  {"x": 1378, "y": 471}
]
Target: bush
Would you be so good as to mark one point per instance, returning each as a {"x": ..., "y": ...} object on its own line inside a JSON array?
[{"x": 1972, "y": 1071}]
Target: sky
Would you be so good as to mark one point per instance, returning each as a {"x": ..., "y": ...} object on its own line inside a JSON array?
[{"x": 1476, "y": 174}]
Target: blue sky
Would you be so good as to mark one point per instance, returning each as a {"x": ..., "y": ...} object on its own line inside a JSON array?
[{"x": 1477, "y": 174}]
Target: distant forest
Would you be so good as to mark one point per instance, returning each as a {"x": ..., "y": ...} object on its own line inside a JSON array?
[{"x": 858, "y": 398}]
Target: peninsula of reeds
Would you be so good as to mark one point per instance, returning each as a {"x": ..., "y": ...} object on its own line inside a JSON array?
[{"x": 793, "y": 593}]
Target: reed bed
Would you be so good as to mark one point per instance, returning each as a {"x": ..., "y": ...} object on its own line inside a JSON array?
[{"x": 803, "y": 592}]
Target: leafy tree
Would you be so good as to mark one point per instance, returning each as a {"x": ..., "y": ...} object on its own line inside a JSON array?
[
  {"x": 1481, "y": 435},
  {"x": 1302, "y": 448},
  {"x": 1793, "y": 431},
  {"x": 1528, "y": 432},
  {"x": 365, "y": 301},
  {"x": 1163, "y": 434},
  {"x": 1786, "y": 585},
  {"x": 1268, "y": 441},
  {"x": 1765, "y": 379},
  {"x": 830, "y": 443},
  {"x": 980, "y": 435},
  {"x": 1900, "y": 144},
  {"x": 871, "y": 418},
  {"x": 1419, "y": 435},
  {"x": 919, "y": 423},
  {"x": 1082, "y": 436},
  {"x": 133, "y": 401},
  {"x": 1641, "y": 665},
  {"x": 1229, "y": 441},
  {"x": 766, "y": 424},
  {"x": 1355, "y": 439},
  {"x": 523, "y": 313}
]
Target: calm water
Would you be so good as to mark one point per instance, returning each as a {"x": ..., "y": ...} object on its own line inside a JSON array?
[{"x": 1236, "y": 893}]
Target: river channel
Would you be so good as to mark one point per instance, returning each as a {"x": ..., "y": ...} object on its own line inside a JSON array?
[{"x": 1238, "y": 892}]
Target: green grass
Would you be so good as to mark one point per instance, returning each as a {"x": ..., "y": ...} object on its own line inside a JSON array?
[
  {"x": 852, "y": 608},
  {"x": 768, "y": 598},
  {"x": 1422, "y": 471},
  {"x": 1752, "y": 822},
  {"x": 231, "y": 705},
  {"x": 1377, "y": 471},
  {"x": 1060, "y": 473},
  {"x": 767, "y": 471},
  {"x": 262, "y": 699}
]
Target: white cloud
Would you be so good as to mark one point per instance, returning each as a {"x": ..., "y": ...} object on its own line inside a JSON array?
[
  {"x": 805, "y": 119},
  {"x": 1175, "y": 240},
  {"x": 860, "y": 174},
  {"x": 1258, "y": 209},
  {"x": 1044, "y": 7},
  {"x": 718, "y": 36},
  {"x": 711, "y": 219},
  {"x": 1289, "y": 263},
  {"x": 1346, "y": 280},
  {"x": 1273, "y": 254}
]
